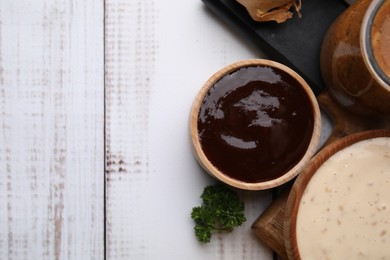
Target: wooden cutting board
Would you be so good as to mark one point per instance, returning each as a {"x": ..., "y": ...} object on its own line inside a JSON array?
[{"x": 269, "y": 225}]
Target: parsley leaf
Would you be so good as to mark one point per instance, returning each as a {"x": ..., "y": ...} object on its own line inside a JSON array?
[{"x": 221, "y": 210}]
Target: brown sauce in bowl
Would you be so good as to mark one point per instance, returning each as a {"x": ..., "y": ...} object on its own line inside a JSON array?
[{"x": 255, "y": 123}]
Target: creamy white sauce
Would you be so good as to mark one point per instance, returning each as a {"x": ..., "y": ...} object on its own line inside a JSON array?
[{"x": 345, "y": 210}]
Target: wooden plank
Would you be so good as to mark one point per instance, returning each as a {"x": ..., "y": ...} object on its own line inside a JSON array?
[
  {"x": 157, "y": 56},
  {"x": 129, "y": 58},
  {"x": 51, "y": 129}
]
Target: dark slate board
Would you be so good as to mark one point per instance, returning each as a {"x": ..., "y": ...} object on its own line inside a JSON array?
[{"x": 295, "y": 43}]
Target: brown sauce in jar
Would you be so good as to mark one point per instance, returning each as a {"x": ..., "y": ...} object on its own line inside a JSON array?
[
  {"x": 255, "y": 123},
  {"x": 380, "y": 37}
]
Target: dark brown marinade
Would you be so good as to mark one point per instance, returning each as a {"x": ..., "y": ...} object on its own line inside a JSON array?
[{"x": 255, "y": 123}]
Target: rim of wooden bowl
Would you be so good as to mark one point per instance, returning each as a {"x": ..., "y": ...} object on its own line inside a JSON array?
[
  {"x": 211, "y": 169},
  {"x": 304, "y": 177}
]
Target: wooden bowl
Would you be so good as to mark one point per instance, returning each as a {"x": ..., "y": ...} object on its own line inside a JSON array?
[
  {"x": 304, "y": 196},
  {"x": 312, "y": 135}
]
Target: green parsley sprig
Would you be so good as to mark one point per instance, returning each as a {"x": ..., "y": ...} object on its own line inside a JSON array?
[{"x": 221, "y": 210}]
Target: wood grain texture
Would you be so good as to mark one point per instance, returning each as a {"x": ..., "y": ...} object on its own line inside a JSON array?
[
  {"x": 86, "y": 111},
  {"x": 129, "y": 58},
  {"x": 269, "y": 226},
  {"x": 51, "y": 129}
]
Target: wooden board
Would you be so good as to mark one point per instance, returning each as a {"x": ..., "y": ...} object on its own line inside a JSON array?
[
  {"x": 51, "y": 129},
  {"x": 130, "y": 65},
  {"x": 95, "y": 156}
]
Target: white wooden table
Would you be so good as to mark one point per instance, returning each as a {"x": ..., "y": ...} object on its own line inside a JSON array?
[{"x": 95, "y": 156}]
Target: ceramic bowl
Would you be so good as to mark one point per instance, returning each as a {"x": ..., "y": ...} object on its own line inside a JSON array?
[
  {"x": 339, "y": 205},
  {"x": 355, "y": 58},
  {"x": 255, "y": 124}
]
